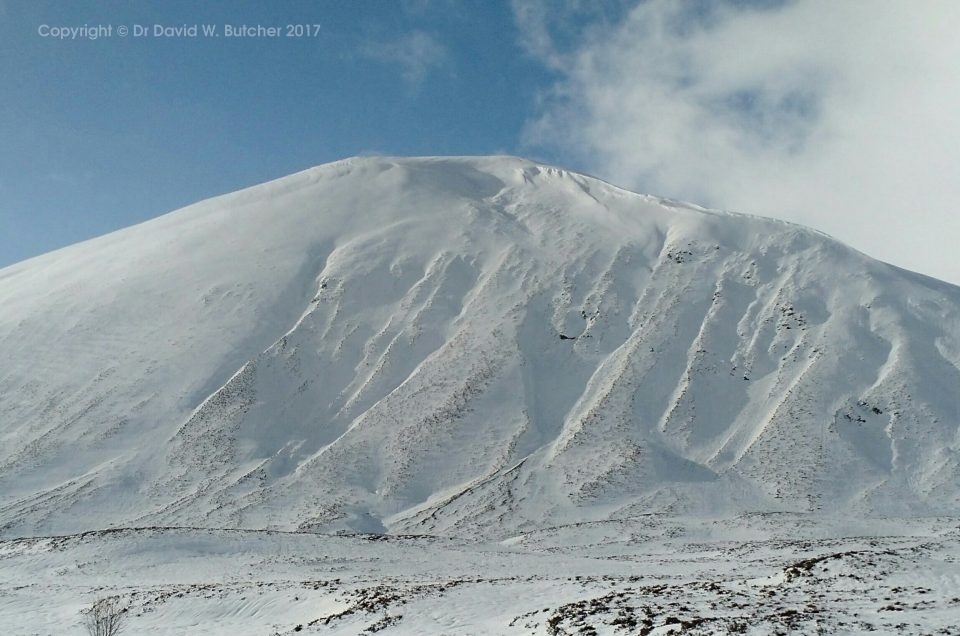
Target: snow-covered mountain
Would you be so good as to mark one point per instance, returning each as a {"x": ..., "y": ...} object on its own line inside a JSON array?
[{"x": 467, "y": 346}]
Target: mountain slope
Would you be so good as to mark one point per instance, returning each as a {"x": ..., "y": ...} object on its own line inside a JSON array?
[{"x": 467, "y": 345}]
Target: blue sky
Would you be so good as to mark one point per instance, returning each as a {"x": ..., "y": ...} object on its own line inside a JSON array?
[
  {"x": 100, "y": 134},
  {"x": 836, "y": 115}
]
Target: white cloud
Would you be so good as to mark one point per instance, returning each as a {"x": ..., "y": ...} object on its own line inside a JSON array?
[
  {"x": 838, "y": 115},
  {"x": 417, "y": 53}
]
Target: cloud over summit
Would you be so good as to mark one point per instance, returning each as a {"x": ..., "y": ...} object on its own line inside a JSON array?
[{"x": 836, "y": 115}]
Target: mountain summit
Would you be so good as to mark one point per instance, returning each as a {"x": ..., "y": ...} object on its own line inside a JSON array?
[{"x": 467, "y": 346}]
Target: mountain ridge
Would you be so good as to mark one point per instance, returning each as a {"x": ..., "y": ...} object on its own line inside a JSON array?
[{"x": 467, "y": 345}]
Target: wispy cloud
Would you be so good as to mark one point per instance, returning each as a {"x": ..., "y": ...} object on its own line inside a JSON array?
[
  {"x": 70, "y": 178},
  {"x": 417, "y": 54},
  {"x": 840, "y": 115},
  {"x": 422, "y": 7}
]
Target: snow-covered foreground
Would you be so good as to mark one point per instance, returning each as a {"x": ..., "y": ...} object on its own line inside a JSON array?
[{"x": 762, "y": 574}]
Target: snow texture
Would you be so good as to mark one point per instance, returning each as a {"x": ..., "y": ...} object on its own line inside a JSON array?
[{"x": 471, "y": 350}]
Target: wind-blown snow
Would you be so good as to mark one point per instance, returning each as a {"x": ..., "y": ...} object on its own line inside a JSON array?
[{"x": 467, "y": 346}]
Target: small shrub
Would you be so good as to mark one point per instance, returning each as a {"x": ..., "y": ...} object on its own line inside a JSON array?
[{"x": 106, "y": 617}]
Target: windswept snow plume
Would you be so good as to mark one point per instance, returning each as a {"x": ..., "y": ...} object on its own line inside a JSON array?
[{"x": 473, "y": 349}]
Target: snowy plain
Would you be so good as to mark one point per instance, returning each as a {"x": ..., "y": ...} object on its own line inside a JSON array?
[{"x": 426, "y": 395}]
